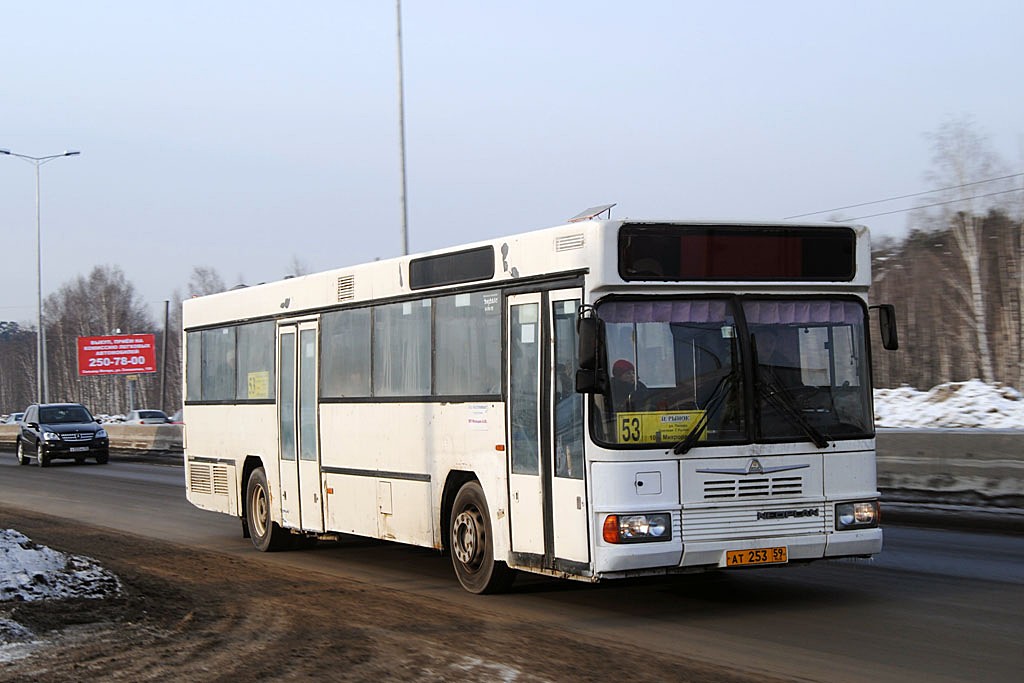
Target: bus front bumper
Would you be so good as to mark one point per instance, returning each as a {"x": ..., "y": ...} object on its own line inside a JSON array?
[{"x": 674, "y": 556}]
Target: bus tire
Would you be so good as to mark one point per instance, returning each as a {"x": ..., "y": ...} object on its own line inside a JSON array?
[
  {"x": 265, "y": 534},
  {"x": 472, "y": 544}
]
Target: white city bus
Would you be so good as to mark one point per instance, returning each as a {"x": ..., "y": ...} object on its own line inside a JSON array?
[{"x": 601, "y": 399}]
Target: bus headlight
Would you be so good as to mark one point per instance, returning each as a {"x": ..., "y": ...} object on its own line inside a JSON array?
[
  {"x": 860, "y": 515},
  {"x": 638, "y": 528}
]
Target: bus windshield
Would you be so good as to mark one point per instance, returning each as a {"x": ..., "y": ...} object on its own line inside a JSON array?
[{"x": 676, "y": 371}]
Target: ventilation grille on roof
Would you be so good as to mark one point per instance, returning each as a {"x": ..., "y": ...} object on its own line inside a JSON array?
[
  {"x": 346, "y": 288},
  {"x": 569, "y": 242}
]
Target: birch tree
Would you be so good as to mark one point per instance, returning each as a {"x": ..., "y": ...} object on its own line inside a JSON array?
[{"x": 961, "y": 158}]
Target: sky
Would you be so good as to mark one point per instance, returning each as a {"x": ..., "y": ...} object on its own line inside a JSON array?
[{"x": 260, "y": 138}]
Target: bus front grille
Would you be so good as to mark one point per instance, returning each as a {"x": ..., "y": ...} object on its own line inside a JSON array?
[
  {"x": 761, "y": 521},
  {"x": 761, "y": 487}
]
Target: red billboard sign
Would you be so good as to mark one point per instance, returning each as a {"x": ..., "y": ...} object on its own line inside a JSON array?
[{"x": 116, "y": 354}]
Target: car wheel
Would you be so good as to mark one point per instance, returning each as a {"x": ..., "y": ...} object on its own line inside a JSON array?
[
  {"x": 102, "y": 458},
  {"x": 42, "y": 459},
  {"x": 472, "y": 544},
  {"x": 22, "y": 458},
  {"x": 265, "y": 533}
]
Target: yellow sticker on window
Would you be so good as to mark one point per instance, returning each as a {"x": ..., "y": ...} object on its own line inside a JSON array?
[
  {"x": 259, "y": 384},
  {"x": 657, "y": 427}
]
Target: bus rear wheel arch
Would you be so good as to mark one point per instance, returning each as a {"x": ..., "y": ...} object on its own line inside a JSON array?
[{"x": 471, "y": 543}]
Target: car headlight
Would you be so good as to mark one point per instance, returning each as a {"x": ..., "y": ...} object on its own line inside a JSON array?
[
  {"x": 860, "y": 515},
  {"x": 101, "y": 434},
  {"x": 638, "y": 528},
  {"x": 51, "y": 436}
]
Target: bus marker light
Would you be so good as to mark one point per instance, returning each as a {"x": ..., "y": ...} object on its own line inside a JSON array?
[
  {"x": 499, "y": 447},
  {"x": 330, "y": 490},
  {"x": 611, "y": 529}
]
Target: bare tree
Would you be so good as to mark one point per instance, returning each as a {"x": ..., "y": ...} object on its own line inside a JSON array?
[
  {"x": 205, "y": 280},
  {"x": 962, "y": 157},
  {"x": 298, "y": 267},
  {"x": 17, "y": 367},
  {"x": 101, "y": 303}
]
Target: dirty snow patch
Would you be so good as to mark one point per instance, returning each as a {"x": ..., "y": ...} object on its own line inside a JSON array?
[{"x": 29, "y": 571}]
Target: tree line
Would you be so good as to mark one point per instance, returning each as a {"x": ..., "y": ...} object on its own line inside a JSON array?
[
  {"x": 101, "y": 303},
  {"x": 957, "y": 280}
]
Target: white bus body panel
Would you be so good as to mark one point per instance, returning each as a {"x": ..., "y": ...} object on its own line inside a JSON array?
[
  {"x": 221, "y": 437},
  {"x": 385, "y": 469}
]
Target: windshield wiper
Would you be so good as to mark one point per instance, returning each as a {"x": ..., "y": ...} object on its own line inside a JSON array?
[
  {"x": 714, "y": 403},
  {"x": 781, "y": 400}
]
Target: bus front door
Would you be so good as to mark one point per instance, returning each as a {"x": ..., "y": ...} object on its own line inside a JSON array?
[
  {"x": 301, "y": 497},
  {"x": 547, "y": 488}
]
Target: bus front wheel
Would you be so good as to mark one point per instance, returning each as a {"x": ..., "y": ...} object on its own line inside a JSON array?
[
  {"x": 265, "y": 533},
  {"x": 472, "y": 544}
]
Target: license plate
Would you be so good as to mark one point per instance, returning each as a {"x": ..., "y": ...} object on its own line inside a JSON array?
[
  {"x": 78, "y": 449},
  {"x": 742, "y": 558}
]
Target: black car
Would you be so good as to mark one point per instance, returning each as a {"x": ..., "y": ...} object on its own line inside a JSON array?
[{"x": 61, "y": 430}]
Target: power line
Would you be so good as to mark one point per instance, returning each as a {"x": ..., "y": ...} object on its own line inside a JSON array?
[
  {"x": 908, "y": 196},
  {"x": 927, "y": 206}
]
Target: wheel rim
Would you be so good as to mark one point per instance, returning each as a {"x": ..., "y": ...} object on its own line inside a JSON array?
[
  {"x": 39, "y": 453},
  {"x": 260, "y": 510},
  {"x": 467, "y": 538}
]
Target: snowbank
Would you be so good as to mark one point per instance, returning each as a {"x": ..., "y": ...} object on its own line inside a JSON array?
[
  {"x": 954, "y": 404},
  {"x": 29, "y": 571}
]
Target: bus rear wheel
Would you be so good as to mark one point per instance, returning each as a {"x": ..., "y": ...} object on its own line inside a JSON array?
[
  {"x": 472, "y": 544},
  {"x": 265, "y": 533}
]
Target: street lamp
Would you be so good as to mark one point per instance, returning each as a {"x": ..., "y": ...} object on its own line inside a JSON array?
[{"x": 42, "y": 386}]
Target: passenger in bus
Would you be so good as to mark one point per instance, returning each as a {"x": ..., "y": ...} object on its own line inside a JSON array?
[
  {"x": 628, "y": 393},
  {"x": 568, "y": 425}
]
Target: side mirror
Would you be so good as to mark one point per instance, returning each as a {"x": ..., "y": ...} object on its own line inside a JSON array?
[
  {"x": 590, "y": 376},
  {"x": 588, "y": 331},
  {"x": 887, "y": 326}
]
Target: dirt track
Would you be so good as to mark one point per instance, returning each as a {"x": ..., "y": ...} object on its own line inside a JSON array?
[{"x": 200, "y": 616}]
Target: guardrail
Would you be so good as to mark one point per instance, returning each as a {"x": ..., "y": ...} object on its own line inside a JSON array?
[
  {"x": 157, "y": 438},
  {"x": 980, "y": 467},
  {"x": 952, "y": 466}
]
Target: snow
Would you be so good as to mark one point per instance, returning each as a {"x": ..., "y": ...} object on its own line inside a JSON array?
[
  {"x": 29, "y": 571},
  {"x": 970, "y": 404}
]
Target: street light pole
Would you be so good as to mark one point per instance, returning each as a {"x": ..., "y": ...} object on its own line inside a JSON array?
[
  {"x": 42, "y": 385},
  {"x": 401, "y": 133}
]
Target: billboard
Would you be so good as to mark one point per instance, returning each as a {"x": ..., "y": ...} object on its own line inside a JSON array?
[{"x": 116, "y": 354}]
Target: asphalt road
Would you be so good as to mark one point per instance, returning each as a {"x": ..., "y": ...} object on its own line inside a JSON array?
[{"x": 936, "y": 605}]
